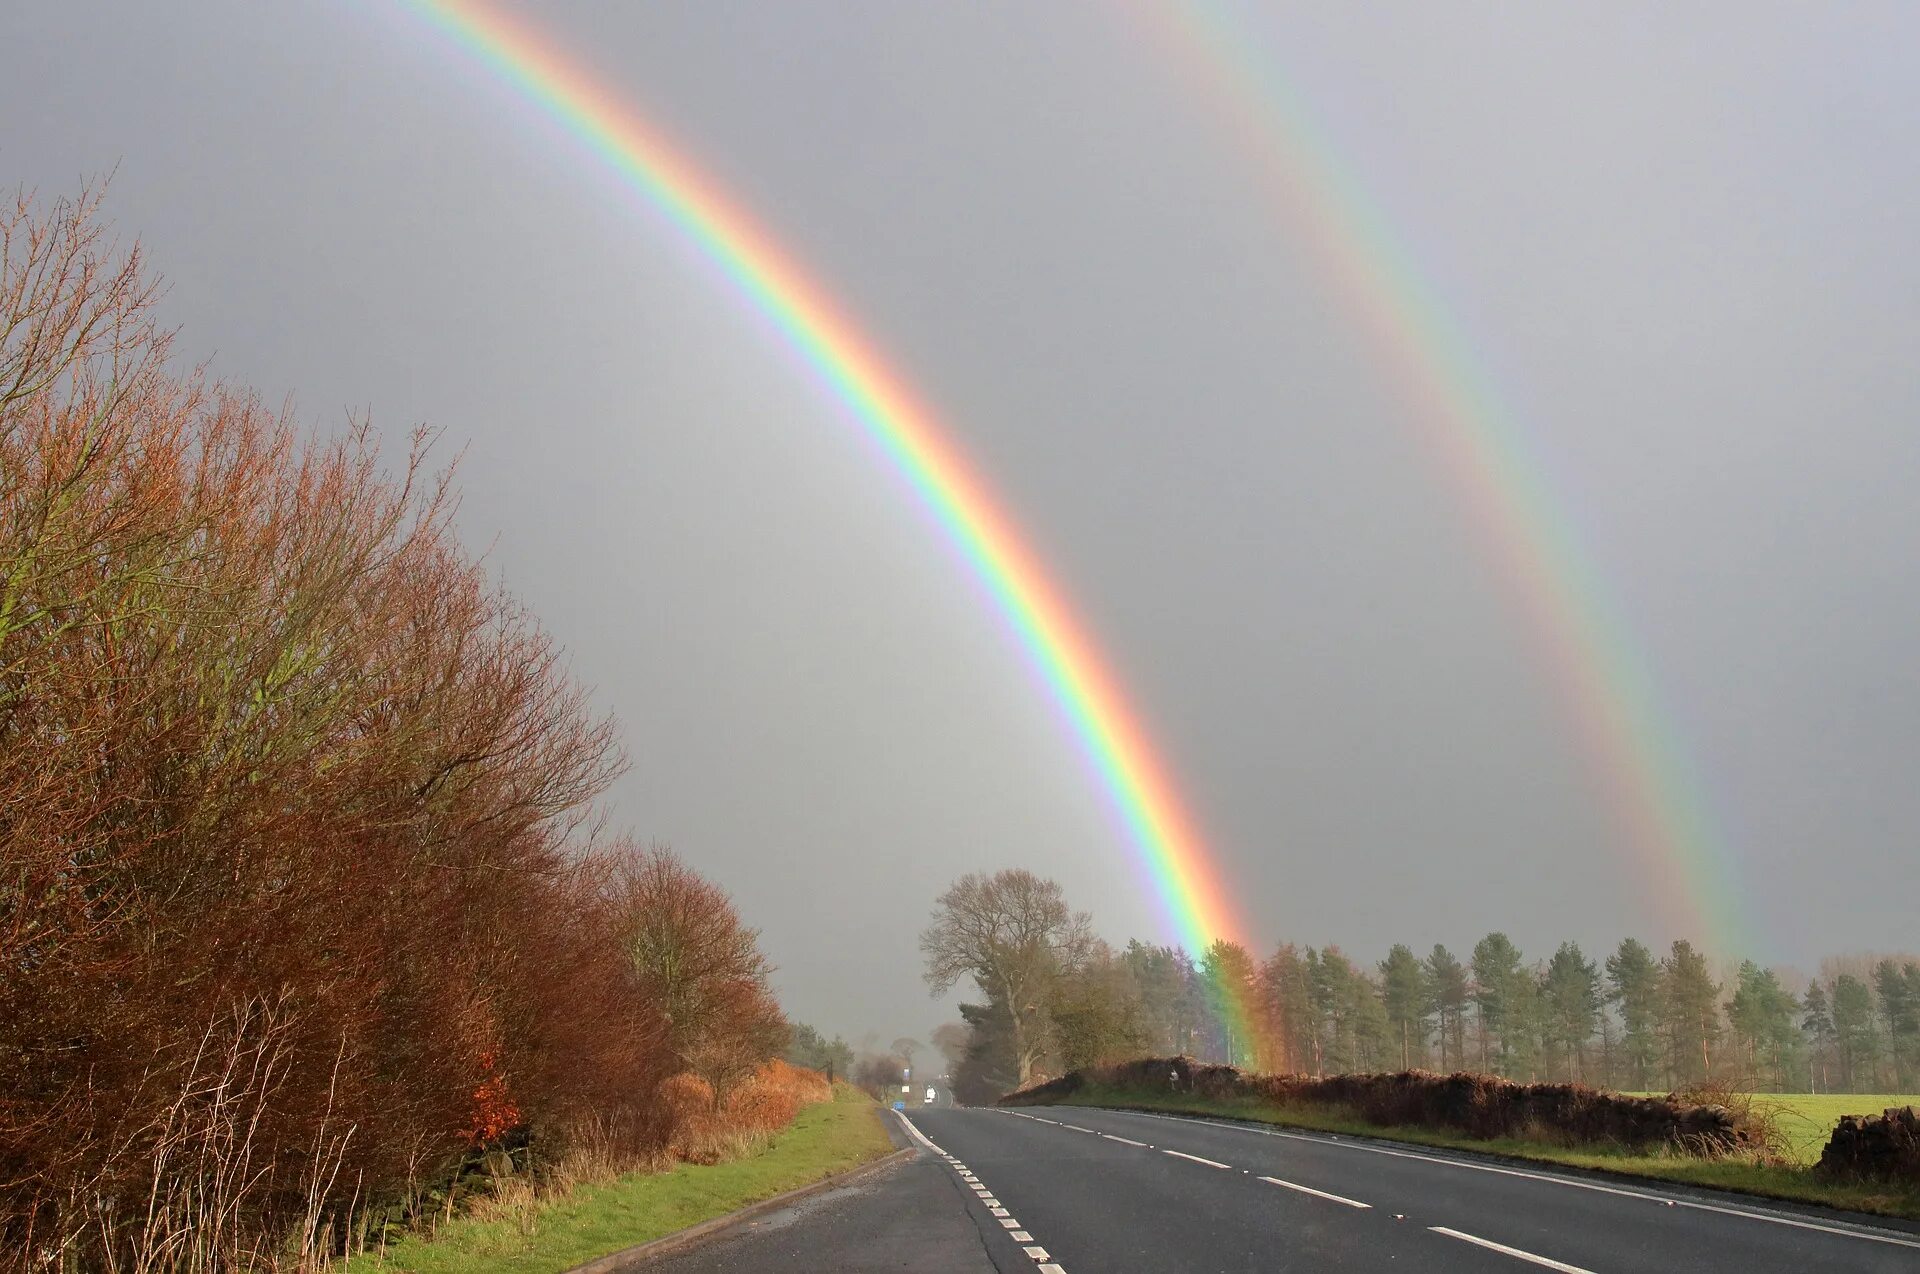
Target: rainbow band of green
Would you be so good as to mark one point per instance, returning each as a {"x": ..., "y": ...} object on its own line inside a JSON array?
[
  {"x": 1181, "y": 870},
  {"x": 1685, "y": 862}
]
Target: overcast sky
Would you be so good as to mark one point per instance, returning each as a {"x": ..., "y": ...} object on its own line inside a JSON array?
[{"x": 1679, "y": 242}]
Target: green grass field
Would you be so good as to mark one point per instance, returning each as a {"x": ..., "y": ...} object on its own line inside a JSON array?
[
  {"x": 1793, "y": 1181},
  {"x": 595, "y": 1220}
]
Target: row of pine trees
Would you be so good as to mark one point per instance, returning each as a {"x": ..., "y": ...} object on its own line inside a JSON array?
[{"x": 1637, "y": 1020}]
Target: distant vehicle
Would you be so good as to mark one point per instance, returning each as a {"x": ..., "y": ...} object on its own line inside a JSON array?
[{"x": 930, "y": 1096}]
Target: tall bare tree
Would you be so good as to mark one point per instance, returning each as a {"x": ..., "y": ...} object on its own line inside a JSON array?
[{"x": 1013, "y": 933}]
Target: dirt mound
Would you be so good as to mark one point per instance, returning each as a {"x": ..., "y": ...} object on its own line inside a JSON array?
[
  {"x": 1884, "y": 1147},
  {"x": 1478, "y": 1105}
]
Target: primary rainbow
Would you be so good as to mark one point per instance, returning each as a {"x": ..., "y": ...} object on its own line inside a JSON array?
[
  {"x": 1685, "y": 861},
  {"x": 913, "y": 439}
]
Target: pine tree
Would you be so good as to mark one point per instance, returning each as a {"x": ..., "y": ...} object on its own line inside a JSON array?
[
  {"x": 1572, "y": 994},
  {"x": 1447, "y": 999},
  {"x": 1816, "y": 1024},
  {"x": 1403, "y": 994},
  {"x": 1855, "y": 1037},
  {"x": 1496, "y": 978},
  {"x": 1286, "y": 998},
  {"x": 1899, "y": 993},
  {"x": 1692, "y": 1012},
  {"x": 1634, "y": 978}
]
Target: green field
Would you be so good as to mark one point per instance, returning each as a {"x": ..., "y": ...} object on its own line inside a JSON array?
[
  {"x": 1804, "y": 1118},
  {"x": 598, "y": 1219}
]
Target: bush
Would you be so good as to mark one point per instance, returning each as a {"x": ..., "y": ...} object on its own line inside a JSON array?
[{"x": 296, "y": 915}]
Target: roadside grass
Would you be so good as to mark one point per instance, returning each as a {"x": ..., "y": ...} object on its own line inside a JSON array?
[
  {"x": 594, "y": 1220},
  {"x": 1793, "y": 1182}
]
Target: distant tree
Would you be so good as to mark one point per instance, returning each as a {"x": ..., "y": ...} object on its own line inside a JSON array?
[
  {"x": 880, "y": 1075},
  {"x": 1761, "y": 1017},
  {"x": 1816, "y": 1026},
  {"x": 988, "y": 1069},
  {"x": 1405, "y": 998},
  {"x": 1013, "y": 934},
  {"x": 1497, "y": 983},
  {"x": 906, "y": 1048},
  {"x": 1571, "y": 991},
  {"x": 1691, "y": 1000},
  {"x": 1856, "y": 1040},
  {"x": 1227, "y": 973},
  {"x": 1287, "y": 1005},
  {"x": 702, "y": 967},
  {"x": 1096, "y": 1012},
  {"x": 1898, "y": 990},
  {"x": 1634, "y": 981},
  {"x": 1448, "y": 995},
  {"x": 949, "y": 1039}
]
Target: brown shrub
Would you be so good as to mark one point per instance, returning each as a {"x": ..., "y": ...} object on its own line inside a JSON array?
[
  {"x": 292, "y": 915},
  {"x": 1480, "y": 1106}
]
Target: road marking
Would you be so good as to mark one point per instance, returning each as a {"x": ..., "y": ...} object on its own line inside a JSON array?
[
  {"x": 1039, "y": 1254},
  {"x": 1515, "y": 1252},
  {"x": 1195, "y": 1158},
  {"x": 1869, "y": 1236},
  {"x": 1128, "y": 1140},
  {"x": 1322, "y": 1194}
]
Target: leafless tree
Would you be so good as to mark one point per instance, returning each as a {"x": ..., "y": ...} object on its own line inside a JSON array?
[{"x": 1013, "y": 933}]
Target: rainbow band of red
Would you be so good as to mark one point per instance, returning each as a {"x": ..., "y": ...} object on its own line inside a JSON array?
[{"x": 907, "y": 431}]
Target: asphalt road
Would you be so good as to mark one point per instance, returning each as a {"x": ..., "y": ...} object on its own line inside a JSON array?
[{"x": 1068, "y": 1189}]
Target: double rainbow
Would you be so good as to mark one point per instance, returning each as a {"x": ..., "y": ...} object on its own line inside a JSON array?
[{"x": 906, "y": 430}]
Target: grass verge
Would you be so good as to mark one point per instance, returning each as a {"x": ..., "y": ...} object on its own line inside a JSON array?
[
  {"x": 1793, "y": 1182},
  {"x": 1806, "y": 1120},
  {"x": 594, "y": 1220}
]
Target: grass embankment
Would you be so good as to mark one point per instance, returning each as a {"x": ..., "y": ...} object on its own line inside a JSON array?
[
  {"x": 594, "y": 1220},
  {"x": 1793, "y": 1181}
]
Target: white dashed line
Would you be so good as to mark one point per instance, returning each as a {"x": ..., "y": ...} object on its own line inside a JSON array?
[
  {"x": 1870, "y": 1236},
  {"x": 1195, "y": 1158},
  {"x": 1127, "y": 1140},
  {"x": 986, "y": 1197},
  {"x": 1337, "y": 1198},
  {"x": 1514, "y": 1252}
]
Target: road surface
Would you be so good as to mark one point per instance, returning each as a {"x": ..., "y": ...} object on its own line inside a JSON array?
[{"x": 1070, "y": 1190}]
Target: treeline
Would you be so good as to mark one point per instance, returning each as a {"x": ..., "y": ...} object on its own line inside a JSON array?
[
  {"x": 1055, "y": 998},
  {"x": 300, "y": 910}
]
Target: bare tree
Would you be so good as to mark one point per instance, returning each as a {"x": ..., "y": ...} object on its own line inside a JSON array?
[{"x": 1013, "y": 934}]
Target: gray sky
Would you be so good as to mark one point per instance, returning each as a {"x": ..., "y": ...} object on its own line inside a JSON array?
[{"x": 1679, "y": 241}]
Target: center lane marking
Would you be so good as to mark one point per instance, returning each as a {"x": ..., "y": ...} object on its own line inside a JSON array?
[
  {"x": 1195, "y": 1158},
  {"x": 1320, "y": 1194},
  {"x": 1515, "y": 1252}
]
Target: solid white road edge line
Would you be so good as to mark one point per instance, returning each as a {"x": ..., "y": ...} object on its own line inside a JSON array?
[
  {"x": 1337, "y": 1198},
  {"x": 1195, "y": 1158},
  {"x": 1774, "y": 1218},
  {"x": 1504, "y": 1250}
]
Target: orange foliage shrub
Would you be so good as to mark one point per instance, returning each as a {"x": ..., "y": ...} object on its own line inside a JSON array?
[{"x": 294, "y": 908}]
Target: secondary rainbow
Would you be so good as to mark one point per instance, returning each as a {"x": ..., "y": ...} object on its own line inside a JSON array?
[
  {"x": 878, "y": 398},
  {"x": 1685, "y": 859}
]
